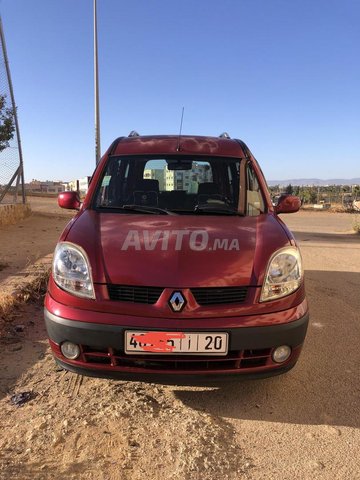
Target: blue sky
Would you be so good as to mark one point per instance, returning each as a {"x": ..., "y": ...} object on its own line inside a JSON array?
[{"x": 282, "y": 75}]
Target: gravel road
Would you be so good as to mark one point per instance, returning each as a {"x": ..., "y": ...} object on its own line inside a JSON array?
[{"x": 302, "y": 425}]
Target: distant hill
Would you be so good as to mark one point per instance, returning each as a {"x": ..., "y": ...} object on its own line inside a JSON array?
[{"x": 315, "y": 181}]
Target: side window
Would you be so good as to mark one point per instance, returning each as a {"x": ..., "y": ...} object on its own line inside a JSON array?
[
  {"x": 254, "y": 199},
  {"x": 113, "y": 183}
]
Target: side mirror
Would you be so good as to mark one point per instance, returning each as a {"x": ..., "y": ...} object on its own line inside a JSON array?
[
  {"x": 288, "y": 204},
  {"x": 69, "y": 200}
]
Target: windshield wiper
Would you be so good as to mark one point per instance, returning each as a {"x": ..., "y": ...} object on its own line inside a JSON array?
[
  {"x": 148, "y": 209},
  {"x": 220, "y": 210},
  {"x": 139, "y": 208}
]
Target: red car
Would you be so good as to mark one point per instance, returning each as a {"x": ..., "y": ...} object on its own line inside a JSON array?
[{"x": 177, "y": 263}]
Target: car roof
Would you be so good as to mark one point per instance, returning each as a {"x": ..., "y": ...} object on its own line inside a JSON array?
[{"x": 169, "y": 144}]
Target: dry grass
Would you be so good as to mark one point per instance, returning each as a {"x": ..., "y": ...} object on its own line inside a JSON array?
[
  {"x": 356, "y": 224},
  {"x": 335, "y": 208},
  {"x": 37, "y": 287},
  {"x": 33, "y": 290}
]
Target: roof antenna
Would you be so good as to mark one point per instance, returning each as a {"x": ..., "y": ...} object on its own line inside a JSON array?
[{"x": 181, "y": 123}]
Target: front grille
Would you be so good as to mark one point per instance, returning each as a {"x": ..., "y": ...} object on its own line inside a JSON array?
[
  {"x": 233, "y": 361},
  {"x": 221, "y": 295},
  {"x": 134, "y": 294},
  {"x": 203, "y": 296}
]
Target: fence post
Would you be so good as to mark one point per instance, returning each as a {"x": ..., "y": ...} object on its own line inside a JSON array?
[{"x": 7, "y": 68}]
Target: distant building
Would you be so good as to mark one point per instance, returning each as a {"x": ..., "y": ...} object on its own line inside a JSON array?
[
  {"x": 71, "y": 186},
  {"x": 84, "y": 184},
  {"x": 48, "y": 186},
  {"x": 155, "y": 174},
  {"x": 81, "y": 185},
  {"x": 187, "y": 180}
]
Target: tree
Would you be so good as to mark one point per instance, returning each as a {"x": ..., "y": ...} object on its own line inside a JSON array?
[
  {"x": 296, "y": 190},
  {"x": 308, "y": 195},
  {"x": 356, "y": 191},
  {"x": 7, "y": 124},
  {"x": 289, "y": 189}
]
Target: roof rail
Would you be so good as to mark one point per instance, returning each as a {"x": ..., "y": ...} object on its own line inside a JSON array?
[
  {"x": 244, "y": 147},
  {"x": 114, "y": 145},
  {"x": 224, "y": 135},
  {"x": 133, "y": 133}
]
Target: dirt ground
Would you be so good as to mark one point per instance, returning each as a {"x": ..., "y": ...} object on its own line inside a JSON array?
[
  {"x": 33, "y": 238},
  {"x": 302, "y": 425}
]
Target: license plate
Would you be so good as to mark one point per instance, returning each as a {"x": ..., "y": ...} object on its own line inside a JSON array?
[{"x": 184, "y": 343}]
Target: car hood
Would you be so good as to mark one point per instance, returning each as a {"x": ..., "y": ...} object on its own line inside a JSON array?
[{"x": 177, "y": 250}]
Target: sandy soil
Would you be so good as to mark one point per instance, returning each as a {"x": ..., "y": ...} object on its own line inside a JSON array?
[
  {"x": 47, "y": 206},
  {"x": 32, "y": 238},
  {"x": 302, "y": 425},
  {"x": 27, "y": 241}
]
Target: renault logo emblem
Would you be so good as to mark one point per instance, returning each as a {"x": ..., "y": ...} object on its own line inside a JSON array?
[{"x": 177, "y": 302}]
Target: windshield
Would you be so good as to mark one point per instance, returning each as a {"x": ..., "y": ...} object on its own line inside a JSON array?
[{"x": 176, "y": 184}]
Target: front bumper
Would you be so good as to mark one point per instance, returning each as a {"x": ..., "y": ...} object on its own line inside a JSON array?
[{"x": 102, "y": 350}]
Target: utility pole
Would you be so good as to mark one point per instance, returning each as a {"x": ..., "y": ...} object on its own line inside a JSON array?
[{"x": 96, "y": 89}]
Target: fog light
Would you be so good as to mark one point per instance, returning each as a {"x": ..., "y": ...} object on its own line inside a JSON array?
[
  {"x": 281, "y": 354},
  {"x": 70, "y": 350}
]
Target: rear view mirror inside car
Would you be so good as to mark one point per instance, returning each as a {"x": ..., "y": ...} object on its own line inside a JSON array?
[{"x": 182, "y": 164}]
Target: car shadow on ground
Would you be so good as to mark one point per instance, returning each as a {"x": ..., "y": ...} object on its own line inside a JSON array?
[{"x": 324, "y": 386}]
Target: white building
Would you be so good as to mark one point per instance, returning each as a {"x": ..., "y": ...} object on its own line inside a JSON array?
[
  {"x": 155, "y": 174},
  {"x": 187, "y": 179},
  {"x": 81, "y": 185}
]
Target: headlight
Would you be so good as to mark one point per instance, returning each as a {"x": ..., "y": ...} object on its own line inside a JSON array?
[
  {"x": 284, "y": 274},
  {"x": 71, "y": 270}
]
